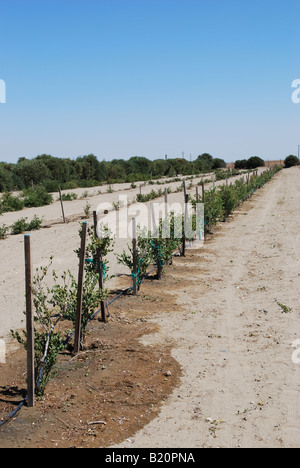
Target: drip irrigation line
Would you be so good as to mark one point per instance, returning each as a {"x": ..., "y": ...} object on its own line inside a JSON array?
[{"x": 10, "y": 417}]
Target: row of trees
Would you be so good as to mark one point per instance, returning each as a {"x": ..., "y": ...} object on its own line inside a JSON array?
[
  {"x": 255, "y": 161},
  {"x": 88, "y": 171},
  {"x": 251, "y": 163}
]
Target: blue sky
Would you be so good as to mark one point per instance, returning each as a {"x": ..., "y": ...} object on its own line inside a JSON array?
[{"x": 120, "y": 78}]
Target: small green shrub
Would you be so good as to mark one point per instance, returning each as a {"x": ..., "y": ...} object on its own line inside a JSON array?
[
  {"x": 84, "y": 195},
  {"x": 37, "y": 196},
  {"x": 69, "y": 196},
  {"x": 150, "y": 196},
  {"x": 9, "y": 203},
  {"x": 3, "y": 231},
  {"x": 144, "y": 258},
  {"x": 35, "y": 224},
  {"x": 21, "y": 225},
  {"x": 87, "y": 209},
  {"x": 47, "y": 343}
]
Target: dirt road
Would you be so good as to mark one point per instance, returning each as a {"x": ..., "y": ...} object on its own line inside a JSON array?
[{"x": 240, "y": 387}]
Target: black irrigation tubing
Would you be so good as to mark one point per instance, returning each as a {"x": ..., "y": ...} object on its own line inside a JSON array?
[
  {"x": 11, "y": 416},
  {"x": 124, "y": 291}
]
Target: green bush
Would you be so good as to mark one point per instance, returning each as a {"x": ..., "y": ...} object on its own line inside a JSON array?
[
  {"x": 150, "y": 196},
  {"x": 51, "y": 185},
  {"x": 144, "y": 258},
  {"x": 35, "y": 224},
  {"x": 255, "y": 162},
  {"x": 291, "y": 161},
  {"x": 21, "y": 225},
  {"x": 229, "y": 200},
  {"x": 3, "y": 231},
  {"x": 37, "y": 196},
  {"x": 10, "y": 203},
  {"x": 69, "y": 196}
]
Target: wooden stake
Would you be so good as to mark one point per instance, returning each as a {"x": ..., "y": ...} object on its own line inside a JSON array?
[
  {"x": 29, "y": 325},
  {"x": 100, "y": 270},
  {"x": 62, "y": 205},
  {"x": 80, "y": 288},
  {"x": 134, "y": 256},
  {"x": 203, "y": 191},
  {"x": 184, "y": 188}
]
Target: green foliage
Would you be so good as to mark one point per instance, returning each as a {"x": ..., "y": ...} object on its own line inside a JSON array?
[
  {"x": 3, "y": 231},
  {"x": 10, "y": 203},
  {"x": 32, "y": 171},
  {"x": 229, "y": 199},
  {"x": 65, "y": 297},
  {"x": 57, "y": 302},
  {"x": 150, "y": 196},
  {"x": 252, "y": 163},
  {"x": 21, "y": 225},
  {"x": 47, "y": 343},
  {"x": 255, "y": 162},
  {"x": 87, "y": 209},
  {"x": 144, "y": 257},
  {"x": 213, "y": 208},
  {"x": 6, "y": 179},
  {"x": 241, "y": 164},
  {"x": 222, "y": 201},
  {"x": 152, "y": 248},
  {"x": 166, "y": 241},
  {"x": 37, "y": 196},
  {"x": 69, "y": 196},
  {"x": 88, "y": 171},
  {"x": 103, "y": 243},
  {"x": 291, "y": 161},
  {"x": 205, "y": 162}
]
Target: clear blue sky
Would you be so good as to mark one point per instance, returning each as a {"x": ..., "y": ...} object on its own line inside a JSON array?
[{"x": 120, "y": 78}]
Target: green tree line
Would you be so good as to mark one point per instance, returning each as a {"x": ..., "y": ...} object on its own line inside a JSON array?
[{"x": 88, "y": 171}]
